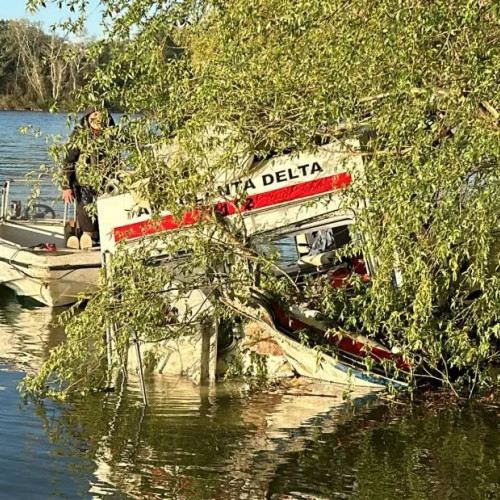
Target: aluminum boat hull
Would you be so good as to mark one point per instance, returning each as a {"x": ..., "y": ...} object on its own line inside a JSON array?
[{"x": 51, "y": 278}]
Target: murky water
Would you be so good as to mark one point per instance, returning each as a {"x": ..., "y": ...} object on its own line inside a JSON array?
[{"x": 226, "y": 442}]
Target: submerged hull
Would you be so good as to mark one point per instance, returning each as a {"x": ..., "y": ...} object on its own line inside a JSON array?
[
  {"x": 308, "y": 362},
  {"x": 344, "y": 361}
]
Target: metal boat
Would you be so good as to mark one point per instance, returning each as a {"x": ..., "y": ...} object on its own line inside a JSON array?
[
  {"x": 34, "y": 260},
  {"x": 316, "y": 351}
]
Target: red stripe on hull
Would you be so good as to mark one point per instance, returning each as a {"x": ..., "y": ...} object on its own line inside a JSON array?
[
  {"x": 253, "y": 202},
  {"x": 346, "y": 344}
]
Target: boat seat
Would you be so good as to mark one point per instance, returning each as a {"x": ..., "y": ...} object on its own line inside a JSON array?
[{"x": 319, "y": 260}]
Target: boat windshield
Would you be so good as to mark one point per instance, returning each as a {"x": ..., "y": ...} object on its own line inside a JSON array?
[{"x": 315, "y": 247}]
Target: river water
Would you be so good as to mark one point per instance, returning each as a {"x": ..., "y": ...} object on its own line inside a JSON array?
[{"x": 226, "y": 442}]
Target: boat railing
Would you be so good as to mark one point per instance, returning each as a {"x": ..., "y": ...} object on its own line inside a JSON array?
[{"x": 33, "y": 200}]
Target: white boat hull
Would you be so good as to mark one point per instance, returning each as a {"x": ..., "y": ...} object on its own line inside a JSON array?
[
  {"x": 51, "y": 278},
  {"x": 343, "y": 362},
  {"x": 319, "y": 366},
  {"x": 52, "y": 288}
]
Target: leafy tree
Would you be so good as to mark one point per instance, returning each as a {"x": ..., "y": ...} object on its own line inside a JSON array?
[
  {"x": 257, "y": 76},
  {"x": 39, "y": 69}
]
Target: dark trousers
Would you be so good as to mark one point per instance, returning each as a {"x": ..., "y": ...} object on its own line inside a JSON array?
[{"x": 85, "y": 195}]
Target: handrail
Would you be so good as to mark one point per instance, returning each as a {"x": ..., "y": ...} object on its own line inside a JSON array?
[
  {"x": 35, "y": 198},
  {"x": 135, "y": 339},
  {"x": 47, "y": 181},
  {"x": 5, "y": 199}
]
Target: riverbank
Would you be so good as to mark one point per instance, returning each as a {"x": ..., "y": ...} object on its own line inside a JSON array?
[{"x": 18, "y": 103}]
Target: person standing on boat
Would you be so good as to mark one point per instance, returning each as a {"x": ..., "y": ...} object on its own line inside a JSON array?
[{"x": 88, "y": 152}]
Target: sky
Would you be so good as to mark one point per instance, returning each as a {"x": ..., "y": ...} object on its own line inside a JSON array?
[{"x": 16, "y": 9}]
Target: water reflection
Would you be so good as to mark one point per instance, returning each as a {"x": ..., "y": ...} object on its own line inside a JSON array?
[
  {"x": 192, "y": 442},
  {"x": 27, "y": 331},
  {"x": 229, "y": 441}
]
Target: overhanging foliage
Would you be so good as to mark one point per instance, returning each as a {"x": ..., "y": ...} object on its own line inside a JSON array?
[{"x": 231, "y": 78}]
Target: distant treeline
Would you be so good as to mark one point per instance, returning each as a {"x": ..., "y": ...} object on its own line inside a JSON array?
[{"x": 39, "y": 69}]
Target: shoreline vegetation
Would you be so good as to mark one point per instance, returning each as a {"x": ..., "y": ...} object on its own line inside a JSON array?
[
  {"x": 43, "y": 71},
  {"x": 14, "y": 103}
]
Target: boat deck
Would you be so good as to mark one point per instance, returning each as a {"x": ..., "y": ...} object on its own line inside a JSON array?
[{"x": 19, "y": 242}]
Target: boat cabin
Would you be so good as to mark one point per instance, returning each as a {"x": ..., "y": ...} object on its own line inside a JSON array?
[{"x": 288, "y": 196}]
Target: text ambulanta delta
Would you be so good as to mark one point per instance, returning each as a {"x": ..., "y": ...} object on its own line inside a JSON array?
[
  {"x": 264, "y": 182},
  {"x": 300, "y": 172}
]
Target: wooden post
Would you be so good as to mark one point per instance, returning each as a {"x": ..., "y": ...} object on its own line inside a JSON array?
[{"x": 208, "y": 355}]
